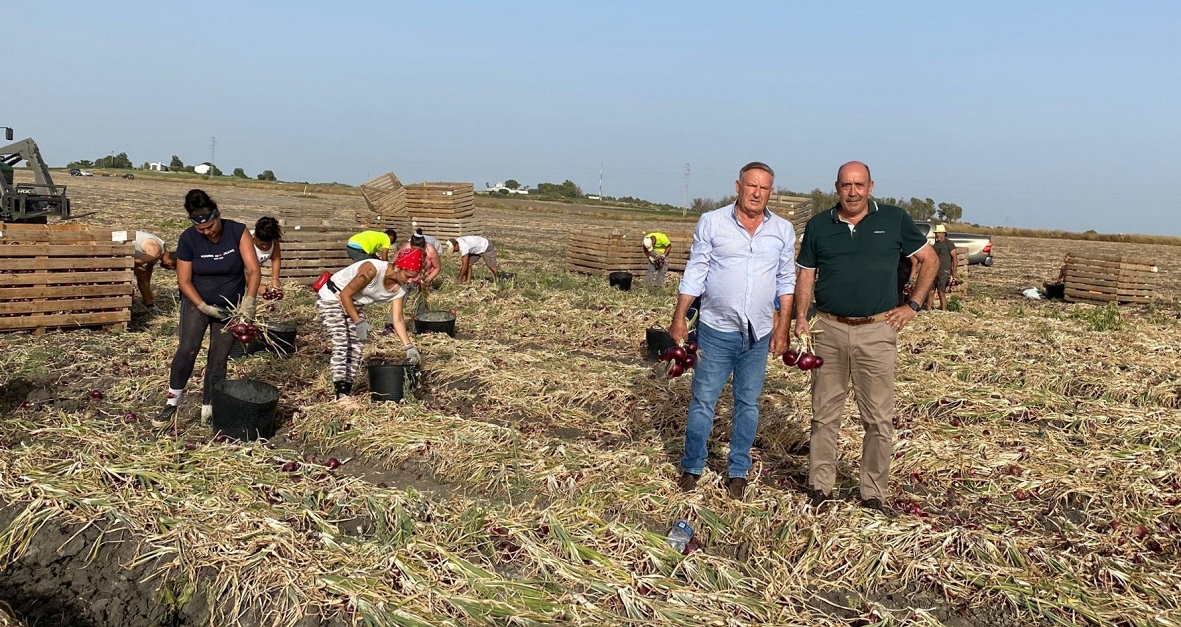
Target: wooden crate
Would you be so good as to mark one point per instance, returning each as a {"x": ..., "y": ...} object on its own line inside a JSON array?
[
  {"x": 796, "y": 209},
  {"x": 1105, "y": 279},
  {"x": 65, "y": 276},
  {"x": 386, "y": 199},
  {"x": 442, "y": 201},
  {"x": 310, "y": 216},
  {"x": 309, "y": 251},
  {"x": 442, "y": 229},
  {"x": 603, "y": 251}
]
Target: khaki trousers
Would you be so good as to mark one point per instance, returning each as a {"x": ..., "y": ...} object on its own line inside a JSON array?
[{"x": 865, "y": 355}]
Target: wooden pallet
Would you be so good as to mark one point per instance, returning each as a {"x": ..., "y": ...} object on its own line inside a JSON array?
[
  {"x": 1105, "y": 279},
  {"x": 603, "y": 251},
  {"x": 64, "y": 276},
  {"x": 309, "y": 251}
]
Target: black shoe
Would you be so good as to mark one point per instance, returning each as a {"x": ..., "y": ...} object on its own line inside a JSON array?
[
  {"x": 343, "y": 388},
  {"x": 165, "y": 417},
  {"x": 818, "y": 498},
  {"x": 876, "y": 504},
  {"x": 736, "y": 486},
  {"x": 688, "y": 481}
]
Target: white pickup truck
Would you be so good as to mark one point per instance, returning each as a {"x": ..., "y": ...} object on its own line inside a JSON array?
[{"x": 979, "y": 246}]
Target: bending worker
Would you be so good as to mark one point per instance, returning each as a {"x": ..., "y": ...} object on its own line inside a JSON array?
[
  {"x": 363, "y": 283},
  {"x": 149, "y": 250},
  {"x": 656, "y": 247},
  {"x": 371, "y": 245}
]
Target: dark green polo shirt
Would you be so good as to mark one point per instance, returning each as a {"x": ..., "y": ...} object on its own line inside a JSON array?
[{"x": 856, "y": 268}]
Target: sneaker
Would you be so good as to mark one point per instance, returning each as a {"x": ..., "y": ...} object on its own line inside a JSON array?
[
  {"x": 165, "y": 417},
  {"x": 876, "y": 505},
  {"x": 736, "y": 486},
  {"x": 688, "y": 481}
]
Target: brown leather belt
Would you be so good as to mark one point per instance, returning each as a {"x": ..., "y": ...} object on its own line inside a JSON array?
[{"x": 853, "y": 322}]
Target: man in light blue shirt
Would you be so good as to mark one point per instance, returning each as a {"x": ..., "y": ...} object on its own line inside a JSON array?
[{"x": 742, "y": 263}]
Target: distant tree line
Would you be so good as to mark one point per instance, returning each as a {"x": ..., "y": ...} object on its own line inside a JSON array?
[
  {"x": 918, "y": 208},
  {"x": 122, "y": 162}
]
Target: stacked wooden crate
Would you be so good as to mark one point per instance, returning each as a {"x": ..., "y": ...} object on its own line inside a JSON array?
[
  {"x": 796, "y": 209},
  {"x": 386, "y": 199},
  {"x": 1105, "y": 278},
  {"x": 603, "y": 251},
  {"x": 308, "y": 251},
  {"x": 64, "y": 276},
  {"x": 308, "y": 216},
  {"x": 444, "y": 210}
]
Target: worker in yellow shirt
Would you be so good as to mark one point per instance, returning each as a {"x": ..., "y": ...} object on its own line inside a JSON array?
[
  {"x": 371, "y": 245},
  {"x": 656, "y": 247}
]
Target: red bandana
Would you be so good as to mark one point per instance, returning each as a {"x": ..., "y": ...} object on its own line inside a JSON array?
[{"x": 410, "y": 259}]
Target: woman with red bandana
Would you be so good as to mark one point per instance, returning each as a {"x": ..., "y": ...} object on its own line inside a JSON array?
[{"x": 364, "y": 283}]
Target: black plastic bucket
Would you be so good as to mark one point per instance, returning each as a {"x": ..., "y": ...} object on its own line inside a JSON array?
[
  {"x": 244, "y": 409},
  {"x": 621, "y": 280},
  {"x": 280, "y": 339},
  {"x": 435, "y": 321},
  {"x": 658, "y": 341},
  {"x": 386, "y": 381}
]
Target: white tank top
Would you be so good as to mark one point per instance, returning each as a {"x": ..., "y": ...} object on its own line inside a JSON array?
[
  {"x": 374, "y": 292},
  {"x": 263, "y": 255}
]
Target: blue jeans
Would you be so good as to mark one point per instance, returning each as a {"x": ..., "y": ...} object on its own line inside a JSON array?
[{"x": 718, "y": 355}]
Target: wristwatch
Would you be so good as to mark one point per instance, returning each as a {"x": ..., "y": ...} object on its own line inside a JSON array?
[{"x": 913, "y": 305}]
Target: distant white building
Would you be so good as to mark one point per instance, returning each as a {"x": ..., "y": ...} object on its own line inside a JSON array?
[
  {"x": 203, "y": 168},
  {"x": 159, "y": 167},
  {"x": 496, "y": 189}
]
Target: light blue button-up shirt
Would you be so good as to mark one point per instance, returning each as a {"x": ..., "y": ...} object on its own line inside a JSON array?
[{"x": 739, "y": 276}]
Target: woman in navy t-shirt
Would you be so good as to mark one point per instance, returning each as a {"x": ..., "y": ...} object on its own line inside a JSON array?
[{"x": 216, "y": 269}]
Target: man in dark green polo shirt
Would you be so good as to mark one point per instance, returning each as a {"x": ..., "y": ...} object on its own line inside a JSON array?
[{"x": 849, "y": 261}]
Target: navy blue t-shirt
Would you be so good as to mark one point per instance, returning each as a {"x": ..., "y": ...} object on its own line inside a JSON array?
[{"x": 219, "y": 274}]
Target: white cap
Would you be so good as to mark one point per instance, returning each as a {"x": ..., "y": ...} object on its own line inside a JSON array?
[{"x": 648, "y": 243}]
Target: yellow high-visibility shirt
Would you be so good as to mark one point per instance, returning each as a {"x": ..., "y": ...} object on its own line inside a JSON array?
[
  {"x": 660, "y": 242},
  {"x": 370, "y": 241}
]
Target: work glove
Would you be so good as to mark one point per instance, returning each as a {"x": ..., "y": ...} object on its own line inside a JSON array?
[
  {"x": 412, "y": 355},
  {"x": 363, "y": 330},
  {"x": 212, "y": 312},
  {"x": 246, "y": 307}
]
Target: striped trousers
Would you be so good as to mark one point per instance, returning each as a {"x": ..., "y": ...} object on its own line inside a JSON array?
[{"x": 346, "y": 348}]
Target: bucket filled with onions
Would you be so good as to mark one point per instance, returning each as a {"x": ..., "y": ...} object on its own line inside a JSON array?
[{"x": 681, "y": 359}]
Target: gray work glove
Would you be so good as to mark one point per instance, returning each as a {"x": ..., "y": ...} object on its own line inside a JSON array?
[
  {"x": 211, "y": 311},
  {"x": 412, "y": 355},
  {"x": 363, "y": 329},
  {"x": 246, "y": 307}
]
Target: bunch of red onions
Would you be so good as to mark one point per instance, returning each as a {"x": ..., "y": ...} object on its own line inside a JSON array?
[
  {"x": 272, "y": 294},
  {"x": 682, "y": 359},
  {"x": 805, "y": 358},
  {"x": 243, "y": 331}
]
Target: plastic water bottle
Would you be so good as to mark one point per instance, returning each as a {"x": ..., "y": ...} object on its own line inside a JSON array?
[{"x": 679, "y": 536}]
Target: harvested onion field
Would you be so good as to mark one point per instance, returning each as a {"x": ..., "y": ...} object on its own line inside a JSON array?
[{"x": 531, "y": 476}]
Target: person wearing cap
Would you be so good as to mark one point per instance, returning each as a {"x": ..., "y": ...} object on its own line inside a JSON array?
[
  {"x": 656, "y": 247},
  {"x": 149, "y": 249},
  {"x": 472, "y": 248},
  {"x": 945, "y": 252},
  {"x": 849, "y": 261},
  {"x": 216, "y": 269},
  {"x": 364, "y": 283},
  {"x": 371, "y": 245}
]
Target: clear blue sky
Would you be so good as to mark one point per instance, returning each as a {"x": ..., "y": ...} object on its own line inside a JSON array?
[{"x": 1035, "y": 114}]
